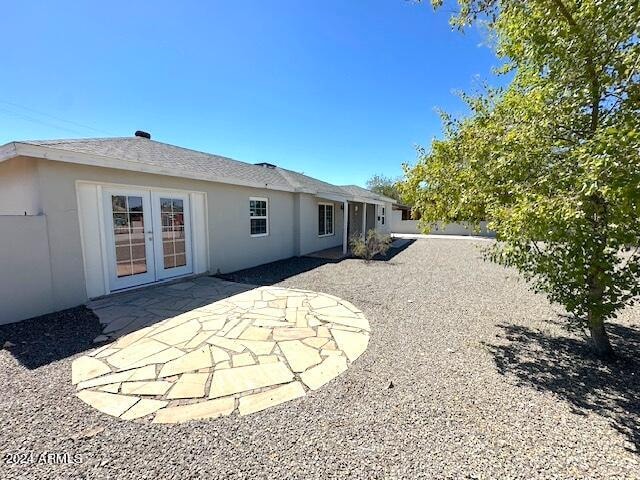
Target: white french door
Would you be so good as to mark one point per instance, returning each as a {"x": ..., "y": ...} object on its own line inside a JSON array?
[
  {"x": 148, "y": 236},
  {"x": 172, "y": 234}
]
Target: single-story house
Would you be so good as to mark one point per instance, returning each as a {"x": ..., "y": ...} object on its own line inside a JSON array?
[{"x": 81, "y": 219}]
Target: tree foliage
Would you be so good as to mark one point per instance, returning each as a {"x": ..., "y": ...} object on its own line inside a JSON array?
[
  {"x": 553, "y": 160},
  {"x": 384, "y": 186}
]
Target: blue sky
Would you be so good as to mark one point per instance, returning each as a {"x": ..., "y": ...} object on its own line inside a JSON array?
[{"x": 336, "y": 89}]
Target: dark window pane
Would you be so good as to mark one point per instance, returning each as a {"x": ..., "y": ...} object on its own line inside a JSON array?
[
  {"x": 138, "y": 252},
  {"x": 179, "y": 245},
  {"x": 181, "y": 260},
  {"x": 167, "y": 248},
  {"x": 169, "y": 261},
  {"x": 137, "y": 220},
  {"x": 124, "y": 269},
  {"x": 120, "y": 220},
  {"x": 137, "y": 235},
  {"x": 258, "y": 226},
  {"x": 178, "y": 205},
  {"x": 118, "y": 203},
  {"x": 135, "y": 204},
  {"x": 123, "y": 253},
  {"x": 139, "y": 266},
  {"x": 165, "y": 204},
  {"x": 321, "y": 216}
]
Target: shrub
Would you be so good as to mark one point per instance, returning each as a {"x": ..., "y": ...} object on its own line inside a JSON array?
[{"x": 375, "y": 243}]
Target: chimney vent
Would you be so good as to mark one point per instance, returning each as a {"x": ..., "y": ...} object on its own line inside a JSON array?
[
  {"x": 141, "y": 134},
  {"x": 266, "y": 165}
]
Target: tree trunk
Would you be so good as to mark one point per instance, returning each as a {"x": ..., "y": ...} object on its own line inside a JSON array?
[{"x": 599, "y": 337}]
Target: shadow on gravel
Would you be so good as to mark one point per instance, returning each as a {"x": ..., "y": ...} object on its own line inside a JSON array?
[
  {"x": 392, "y": 252},
  {"x": 566, "y": 367},
  {"x": 42, "y": 340},
  {"x": 275, "y": 272}
]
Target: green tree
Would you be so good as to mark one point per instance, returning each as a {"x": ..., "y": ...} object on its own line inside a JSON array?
[
  {"x": 384, "y": 186},
  {"x": 552, "y": 160}
]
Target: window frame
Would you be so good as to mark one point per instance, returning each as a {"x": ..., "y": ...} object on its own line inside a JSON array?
[
  {"x": 259, "y": 217},
  {"x": 381, "y": 214},
  {"x": 333, "y": 219}
]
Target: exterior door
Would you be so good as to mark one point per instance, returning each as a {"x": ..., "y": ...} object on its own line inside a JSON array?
[
  {"x": 172, "y": 234},
  {"x": 129, "y": 238},
  {"x": 148, "y": 236}
]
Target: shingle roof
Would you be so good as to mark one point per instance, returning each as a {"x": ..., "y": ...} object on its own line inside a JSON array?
[
  {"x": 357, "y": 191},
  {"x": 183, "y": 162}
]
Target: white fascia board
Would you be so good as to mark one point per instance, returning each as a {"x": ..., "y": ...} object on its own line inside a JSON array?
[
  {"x": 8, "y": 151},
  {"x": 368, "y": 200},
  {"x": 49, "y": 153},
  {"x": 331, "y": 196}
]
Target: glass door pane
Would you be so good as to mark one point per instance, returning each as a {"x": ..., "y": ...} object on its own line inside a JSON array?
[
  {"x": 128, "y": 229},
  {"x": 173, "y": 236},
  {"x": 129, "y": 237}
]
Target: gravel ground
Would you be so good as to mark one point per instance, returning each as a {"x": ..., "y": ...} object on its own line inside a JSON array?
[{"x": 467, "y": 375}]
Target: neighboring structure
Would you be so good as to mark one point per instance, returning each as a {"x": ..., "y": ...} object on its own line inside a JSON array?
[
  {"x": 402, "y": 221},
  {"x": 84, "y": 218}
]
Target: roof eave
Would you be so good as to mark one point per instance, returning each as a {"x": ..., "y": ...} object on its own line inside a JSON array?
[
  {"x": 48, "y": 153},
  {"x": 8, "y": 151}
]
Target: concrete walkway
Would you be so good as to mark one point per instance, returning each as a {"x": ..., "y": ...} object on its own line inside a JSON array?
[{"x": 240, "y": 352}]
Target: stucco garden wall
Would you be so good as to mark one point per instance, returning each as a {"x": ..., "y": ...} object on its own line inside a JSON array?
[{"x": 25, "y": 273}]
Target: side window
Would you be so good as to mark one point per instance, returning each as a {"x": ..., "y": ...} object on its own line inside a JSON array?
[
  {"x": 325, "y": 219},
  {"x": 258, "y": 216}
]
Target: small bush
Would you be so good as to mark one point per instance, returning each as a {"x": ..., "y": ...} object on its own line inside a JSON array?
[{"x": 375, "y": 243}]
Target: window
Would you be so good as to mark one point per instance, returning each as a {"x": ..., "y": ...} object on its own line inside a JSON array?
[
  {"x": 259, "y": 216},
  {"x": 381, "y": 215},
  {"x": 325, "y": 219}
]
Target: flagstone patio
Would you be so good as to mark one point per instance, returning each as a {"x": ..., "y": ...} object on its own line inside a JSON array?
[{"x": 242, "y": 352}]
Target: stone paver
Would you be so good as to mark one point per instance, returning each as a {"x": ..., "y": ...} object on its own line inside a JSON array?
[
  {"x": 299, "y": 356},
  {"x": 223, "y": 348},
  {"x": 86, "y": 368},
  {"x": 196, "y": 411},
  {"x": 145, "y": 388},
  {"x": 352, "y": 343},
  {"x": 242, "y": 379},
  {"x": 330, "y": 368},
  {"x": 189, "y": 362},
  {"x": 109, "y": 403},
  {"x": 189, "y": 385},
  {"x": 144, "y": 407},
  {"x": 276, "y": 396}
]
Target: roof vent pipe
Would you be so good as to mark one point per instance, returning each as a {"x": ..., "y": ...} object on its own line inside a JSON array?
[
  {"x": 141, "y": 134},
  {"x": 266, "y": 165}
]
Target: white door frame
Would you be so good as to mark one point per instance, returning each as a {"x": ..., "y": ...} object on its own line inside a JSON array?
[{"x": 119, "y": 283}]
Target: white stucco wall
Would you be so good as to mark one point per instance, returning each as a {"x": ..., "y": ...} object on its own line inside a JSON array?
[
  {"x": 310, "y": 241},
  {"x": 19, "y": 194},
  {"x": 439, "y": 228},
  {"x": 26, "y": 288}
]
